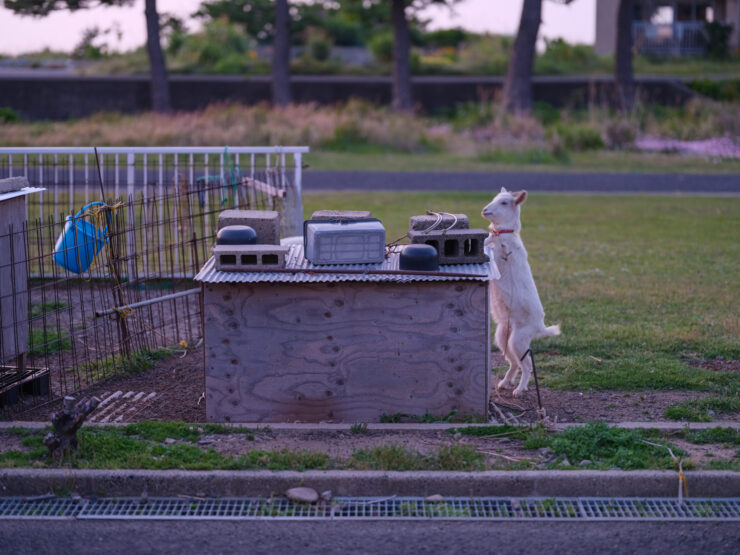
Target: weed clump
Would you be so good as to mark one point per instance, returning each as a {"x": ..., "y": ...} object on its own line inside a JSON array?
[
  {"x": 44, "y": 342},
  {"x": 715, "y": 435},
  {"x": 459, "y": 457},
  {"x": 159, "y": 431},
  {"x": 609, "y": 447},
  {"x": 703, "y": 410},
  {"x": 387, "y": 457}
]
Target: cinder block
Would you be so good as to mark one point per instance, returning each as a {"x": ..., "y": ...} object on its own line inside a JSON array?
[
  {"x": 341, "y": 215},
  {"x": 250, "y": 258},
  {"x": 265, "y": 222},
  {"x": 456, "y": 246},
  {"x": 420, "y": 223},
  {"x": 13, "y": 184}
]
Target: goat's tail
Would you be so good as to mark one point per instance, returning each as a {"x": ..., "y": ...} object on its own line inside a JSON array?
[{"x": 552, "y": 330}]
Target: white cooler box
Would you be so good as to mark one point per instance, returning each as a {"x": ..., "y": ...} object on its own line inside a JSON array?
[{"x": 344, "y": 242}]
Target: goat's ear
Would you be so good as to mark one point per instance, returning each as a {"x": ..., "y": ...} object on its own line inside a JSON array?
[
  {"x": 503, "y": 190},
  {"x": 520, "y": 197}
]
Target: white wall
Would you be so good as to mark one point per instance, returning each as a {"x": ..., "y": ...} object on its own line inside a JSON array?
[{"x": 606, "y": 26}]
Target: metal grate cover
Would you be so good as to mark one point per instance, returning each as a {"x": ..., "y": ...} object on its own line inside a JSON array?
[{"x": 369, "y": 508}]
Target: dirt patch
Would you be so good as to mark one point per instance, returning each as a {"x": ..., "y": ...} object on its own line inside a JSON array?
[
  {"x": 177, "y": 382},
  {"x": 716, "y": 364},
  {"x": 608, "y": 406},
  {"x": 179, "y": 385},
  {"x": 11, "y": 442},
  {"x": 704, "y": 454},
  {"x": 584, "y": 406},
  {"x": 76, "y": 337}
]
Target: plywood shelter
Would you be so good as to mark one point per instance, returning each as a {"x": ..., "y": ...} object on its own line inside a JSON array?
[
  {"x": 13, "y": 268},
  {"x": 345, "y": 347}
]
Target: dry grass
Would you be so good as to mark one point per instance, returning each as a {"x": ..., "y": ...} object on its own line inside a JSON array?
[
  {"x": 473, "y": 130},
  {"x": 701, "y": 119},
  {"x": 300, "y": 124}
]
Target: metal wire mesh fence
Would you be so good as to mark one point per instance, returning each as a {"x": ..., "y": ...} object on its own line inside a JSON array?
[{"x": 107, "y": 279}]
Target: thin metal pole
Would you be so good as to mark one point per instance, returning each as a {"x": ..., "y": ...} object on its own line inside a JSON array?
[
  {"x": 131, "y": 268},
  {"x": 112, "y": 261},
  {"x": 536, "y": 383},
  {"x": 71, "y": 184}
]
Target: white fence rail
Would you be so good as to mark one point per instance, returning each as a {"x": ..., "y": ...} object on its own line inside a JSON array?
[{"x": 70, "y": 175}]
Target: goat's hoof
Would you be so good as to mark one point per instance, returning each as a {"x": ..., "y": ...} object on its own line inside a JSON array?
[
  {"x": 503, "y": 384},
  {"x": 518, "y": 392}
]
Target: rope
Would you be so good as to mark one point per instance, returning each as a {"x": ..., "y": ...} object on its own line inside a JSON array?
[
  {"x": 124, "y": 312},
  {"x": 439, "y": 220},
  {"x": 393, "y": 244},
  {"x": 97, "y": 210},
  {"x": 683, "y": 486}
]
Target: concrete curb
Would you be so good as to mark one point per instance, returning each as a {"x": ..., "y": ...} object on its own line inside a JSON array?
[
  {"x": 168, "y": 483},
  {"x": 407, "y": 427}
]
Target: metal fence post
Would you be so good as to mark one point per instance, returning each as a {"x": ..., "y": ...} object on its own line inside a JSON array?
[
  {"x": 131, "y": 236},
  {"x": 296, "y": 211}
]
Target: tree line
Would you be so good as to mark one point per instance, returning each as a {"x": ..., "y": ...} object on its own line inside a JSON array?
[{"x": 276, "y": 20}]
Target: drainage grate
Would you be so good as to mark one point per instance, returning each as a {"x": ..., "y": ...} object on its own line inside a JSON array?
[
  {"x": 368, "y": 508},
  {"x": 17, "y": 507}
]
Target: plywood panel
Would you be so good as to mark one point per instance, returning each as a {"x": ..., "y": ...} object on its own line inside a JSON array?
[
  {"x": 345, "y": 352},
  {"x": 13, "y": 280}
]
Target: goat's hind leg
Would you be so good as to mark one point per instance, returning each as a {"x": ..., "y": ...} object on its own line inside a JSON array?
[
  {"x": 502, "y": 340},
  {"x": 519, "y": 342}
]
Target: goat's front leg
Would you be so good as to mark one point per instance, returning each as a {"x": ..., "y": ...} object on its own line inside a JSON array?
[{"x": 508, "y": 380}]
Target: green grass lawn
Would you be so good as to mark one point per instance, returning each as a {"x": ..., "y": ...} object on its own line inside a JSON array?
[
  {"x": 379, "y": 159},
  {"x": 640, "y": 283}
]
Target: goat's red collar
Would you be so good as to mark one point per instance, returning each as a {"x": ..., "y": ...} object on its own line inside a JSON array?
[{"x": 497, "y": 232}]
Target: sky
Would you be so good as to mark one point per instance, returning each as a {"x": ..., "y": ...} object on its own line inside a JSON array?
[{"x": 62, "y": 30}]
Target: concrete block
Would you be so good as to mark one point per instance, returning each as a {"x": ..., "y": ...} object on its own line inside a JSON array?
[
  {"x": 341, "y": 215},
  {"x": 250, "y": 258},
  {"x": 13, "y": 184},
  {"x": 265, "y": 222},
  {"x": 456, "y": 246},
  {"x": 420, "y": 223}
]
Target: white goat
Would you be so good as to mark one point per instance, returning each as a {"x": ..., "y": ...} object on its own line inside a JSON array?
[{"x": 515, "y": 303}]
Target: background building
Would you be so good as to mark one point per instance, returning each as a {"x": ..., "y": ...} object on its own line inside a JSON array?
[{"x": 667, "y": 28}]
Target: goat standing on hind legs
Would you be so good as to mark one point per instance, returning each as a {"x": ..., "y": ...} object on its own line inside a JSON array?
[{"x": 515, "y": 303}]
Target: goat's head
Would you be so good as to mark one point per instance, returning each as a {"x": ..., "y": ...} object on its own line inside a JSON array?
[{"x": 503, "y": 211}]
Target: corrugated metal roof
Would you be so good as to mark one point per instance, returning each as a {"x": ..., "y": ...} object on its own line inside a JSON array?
[{"x": 296, "y": 261}]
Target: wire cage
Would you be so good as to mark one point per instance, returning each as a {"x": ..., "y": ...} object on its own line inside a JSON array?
[{"x": 129, "y": 295}]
